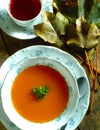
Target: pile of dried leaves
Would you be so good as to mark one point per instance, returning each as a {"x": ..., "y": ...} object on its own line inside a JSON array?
[{"x": 75, "y": 24}]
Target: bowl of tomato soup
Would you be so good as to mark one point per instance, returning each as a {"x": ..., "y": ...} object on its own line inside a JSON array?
[{"x": 40, "y": 93}]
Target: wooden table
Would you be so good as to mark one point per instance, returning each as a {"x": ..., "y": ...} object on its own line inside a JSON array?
[{"x": 9, "y": 46}]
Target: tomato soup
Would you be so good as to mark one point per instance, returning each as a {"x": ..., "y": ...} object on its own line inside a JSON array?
[
  {"x": 27, "y": 105},
  {"x": 25, "y": 9}
]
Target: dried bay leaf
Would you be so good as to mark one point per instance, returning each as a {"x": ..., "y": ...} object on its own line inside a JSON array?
[
  {"x": 93, "y": 36},
  {"x": 83, "y": 35},
  {"x": 46, "y": 30},
  {"x": 60, "y": 23}
]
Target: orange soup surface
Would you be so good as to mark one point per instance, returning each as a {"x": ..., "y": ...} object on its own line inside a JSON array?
[{"x": 28, "y": 106}]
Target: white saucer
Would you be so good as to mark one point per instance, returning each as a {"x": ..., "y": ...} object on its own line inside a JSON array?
[
  {"x": 12, "y": 29},
  {"x": 56, "y": 54}
]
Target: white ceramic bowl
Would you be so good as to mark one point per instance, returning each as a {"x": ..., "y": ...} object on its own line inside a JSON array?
[
  {"x": 16, "y": 118},
  {"x": 20, "y": 22}
]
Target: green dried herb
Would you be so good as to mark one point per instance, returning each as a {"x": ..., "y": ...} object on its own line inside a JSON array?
[{"x": 40, "y": 92}]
